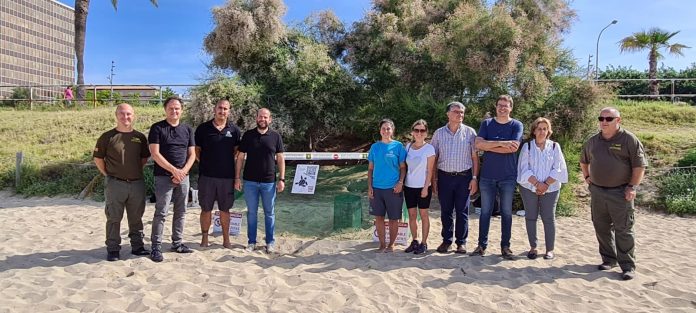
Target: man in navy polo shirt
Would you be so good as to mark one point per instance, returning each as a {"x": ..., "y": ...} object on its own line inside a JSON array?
[
  {"x": 217, "y": 142},
  {"x": 263, "y": 149},
  {"x": 499, "y": 138},
  {"x": 172, "y": 149}
]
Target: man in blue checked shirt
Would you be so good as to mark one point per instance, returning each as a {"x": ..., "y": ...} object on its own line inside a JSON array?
[{"x": 457, "y": 167}]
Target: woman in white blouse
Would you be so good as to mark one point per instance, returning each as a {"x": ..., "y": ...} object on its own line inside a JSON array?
[{"x": 540, "y": 171}]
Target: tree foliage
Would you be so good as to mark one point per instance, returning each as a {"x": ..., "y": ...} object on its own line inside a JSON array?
[
  {"x": 404, "y": 60},
  {"x": 652, "y": 40},
  {"x": 305, "y": 86}
]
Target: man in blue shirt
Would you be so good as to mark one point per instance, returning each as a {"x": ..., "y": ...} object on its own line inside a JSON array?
[{"x": 499, "y": 138}]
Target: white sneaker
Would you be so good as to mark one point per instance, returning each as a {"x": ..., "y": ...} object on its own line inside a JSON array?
[
  {"x": 251, "y": 247},
  {"x": 270, "y": 248}
]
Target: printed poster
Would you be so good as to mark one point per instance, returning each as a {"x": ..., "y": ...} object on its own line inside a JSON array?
[
  {"x": 401, "y": 236},
  {"x": 305, "y": 181},
  {"x": 235, "y": 223}
]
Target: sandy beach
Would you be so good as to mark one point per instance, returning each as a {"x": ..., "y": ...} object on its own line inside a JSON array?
[{"x": 52, "y": 258}]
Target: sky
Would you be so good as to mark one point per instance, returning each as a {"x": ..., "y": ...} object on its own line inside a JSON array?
[{"x": 164, "y": 45}]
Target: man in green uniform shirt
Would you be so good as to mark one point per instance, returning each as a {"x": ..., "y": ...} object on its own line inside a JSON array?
[
  {"x": 120, "y": 155},
  {"x": 613, "y": 163}
]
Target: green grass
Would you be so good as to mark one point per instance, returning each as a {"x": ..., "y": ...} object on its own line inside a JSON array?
[
  {"x": 58, "y": 143},
  {"x": 55, "y": 138},
  {"x": 666, "y": 130}
]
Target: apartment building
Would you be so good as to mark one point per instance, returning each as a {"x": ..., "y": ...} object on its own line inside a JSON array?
[{"x": 36, "y": 46}]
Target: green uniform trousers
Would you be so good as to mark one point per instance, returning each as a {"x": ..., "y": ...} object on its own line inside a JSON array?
[{"x": 613, "y": 219}]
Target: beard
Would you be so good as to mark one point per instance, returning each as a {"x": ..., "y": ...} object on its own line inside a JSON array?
[{"x": 261, "y": 125}]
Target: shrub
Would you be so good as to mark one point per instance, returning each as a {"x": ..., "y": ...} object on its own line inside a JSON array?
[
  {"x": 688, "y": 160},
  {"x": 677, "y": 191}
]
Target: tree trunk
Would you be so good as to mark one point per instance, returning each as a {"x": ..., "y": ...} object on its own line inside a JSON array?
[
  {"x": 81, "y": 8},
  {"x": 652, "y": 72}
]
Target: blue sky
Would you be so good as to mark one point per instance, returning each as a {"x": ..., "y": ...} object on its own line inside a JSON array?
[{"x": 164, "y": 45}]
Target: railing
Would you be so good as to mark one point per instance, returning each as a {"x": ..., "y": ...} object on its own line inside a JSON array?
[
  {"x": 672, "y": 95},
  {"x": 53, "y": 94}
]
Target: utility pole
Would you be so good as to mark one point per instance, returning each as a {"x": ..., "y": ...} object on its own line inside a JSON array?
[
  {"x": 111, "y": 81},
  {"x": 589, "y": 67}
]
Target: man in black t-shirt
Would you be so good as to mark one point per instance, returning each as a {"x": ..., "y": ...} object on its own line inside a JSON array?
[
  {"x": 172, "y": 147},
  {"x": 217, "y": 142},
  {"x": 120, "y": 155},
  {"x": 263, "y": 148}
]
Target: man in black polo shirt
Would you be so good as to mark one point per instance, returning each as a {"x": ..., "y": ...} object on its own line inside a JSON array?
[
  {"x": 172, "y": 148},
  {"x": 217, "y": 142},
  {"x": 120, "y": 155},
  {"x": 263, "y": 148}
]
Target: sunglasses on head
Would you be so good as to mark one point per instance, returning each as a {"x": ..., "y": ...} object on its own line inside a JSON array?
[
  {"x": 419, "y": 130},
  {"x": 608, "y": 118}
]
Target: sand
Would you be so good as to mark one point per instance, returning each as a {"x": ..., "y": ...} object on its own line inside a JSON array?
[{"x": 52, "y": 258}]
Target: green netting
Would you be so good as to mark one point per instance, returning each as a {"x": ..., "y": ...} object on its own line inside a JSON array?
[{"x": 347, "y": 212}]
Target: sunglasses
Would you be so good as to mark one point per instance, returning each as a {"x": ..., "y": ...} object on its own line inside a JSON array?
[
  {"x": 608, "y": 118},
  {"x": 419, "y": 130}
]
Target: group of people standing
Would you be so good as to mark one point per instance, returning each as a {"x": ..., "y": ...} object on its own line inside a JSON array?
[
  {"x": 457, "y": 163},
  {"x": 221, "y": 150},
  {"x": 451, "y": 167}
]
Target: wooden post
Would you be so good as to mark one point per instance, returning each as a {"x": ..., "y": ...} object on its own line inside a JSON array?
[
  {"x": 18, "y": 168},
  {"x": 31, "y": 98}
]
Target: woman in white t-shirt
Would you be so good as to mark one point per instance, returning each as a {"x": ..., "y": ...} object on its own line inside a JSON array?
[{"x": 420, "y": 162}]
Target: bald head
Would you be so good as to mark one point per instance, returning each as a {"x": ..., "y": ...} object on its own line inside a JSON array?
[
  {"x": 124, "y": 106},
  {"x": 611, "y": 110},
  {"x": 124, "y": 117}
]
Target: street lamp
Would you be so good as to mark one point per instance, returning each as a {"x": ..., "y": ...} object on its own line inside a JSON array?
[{"x": 597, "y": 51}]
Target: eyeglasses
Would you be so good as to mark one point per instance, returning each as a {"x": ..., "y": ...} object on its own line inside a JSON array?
[
  {"x": 419, "y": 130},
  {"x": 607, "y": 118}
]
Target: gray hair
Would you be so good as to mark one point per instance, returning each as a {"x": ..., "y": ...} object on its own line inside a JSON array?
[{"x": 455, "y": 104}]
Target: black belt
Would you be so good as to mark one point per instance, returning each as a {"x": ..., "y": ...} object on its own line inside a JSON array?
[
  {"x": 611, "y": 188},
  {"x": 462, "y": 173},
  {"x": 125, "y": 180}
]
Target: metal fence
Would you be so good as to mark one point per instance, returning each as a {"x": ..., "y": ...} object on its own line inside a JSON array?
[
  {"x": 674, "y": 87},
  {"x": 31, "y": 96}
]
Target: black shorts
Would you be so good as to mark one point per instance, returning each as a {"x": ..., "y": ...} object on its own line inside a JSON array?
[
  {"x": 414, "y": 200},
  {"x": 211, "y": 189}
]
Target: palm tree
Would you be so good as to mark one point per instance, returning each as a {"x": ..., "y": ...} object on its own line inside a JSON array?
[
  {"x": 653, "y": 40},
  {"x": 81, "y": 9}
]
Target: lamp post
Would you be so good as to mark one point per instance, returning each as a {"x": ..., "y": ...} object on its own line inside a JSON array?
[{"x": 597, "y": 50}]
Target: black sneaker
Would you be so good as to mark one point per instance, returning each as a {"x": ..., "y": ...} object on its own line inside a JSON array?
[
  {"x": 414, "y": 245},
  {"x": 422, "y": 248},
  {"x": 113, "y": 256},
  {"x": 140, "y": 251},
  {"x": 181, "y": 249},
  {"x": 606, "y": 266},
  {"x": 628, "y": 274},
  {"x": 156, "y": 255}
]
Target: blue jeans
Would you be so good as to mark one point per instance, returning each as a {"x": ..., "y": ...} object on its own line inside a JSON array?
[
  {"x": 453, "y": 192},
  {"x": 267, "y": 191},
  {"x": 490, "y": 188}
]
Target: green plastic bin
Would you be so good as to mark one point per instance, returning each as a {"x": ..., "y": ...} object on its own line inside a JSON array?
[{"x": 347, "y": 212}]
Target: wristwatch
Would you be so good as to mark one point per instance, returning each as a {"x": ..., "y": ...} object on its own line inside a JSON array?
[
  {"x": 631, "y": 186},
  {"x": 282, "y": 179},
  {"x": 474, "y": 177}
]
